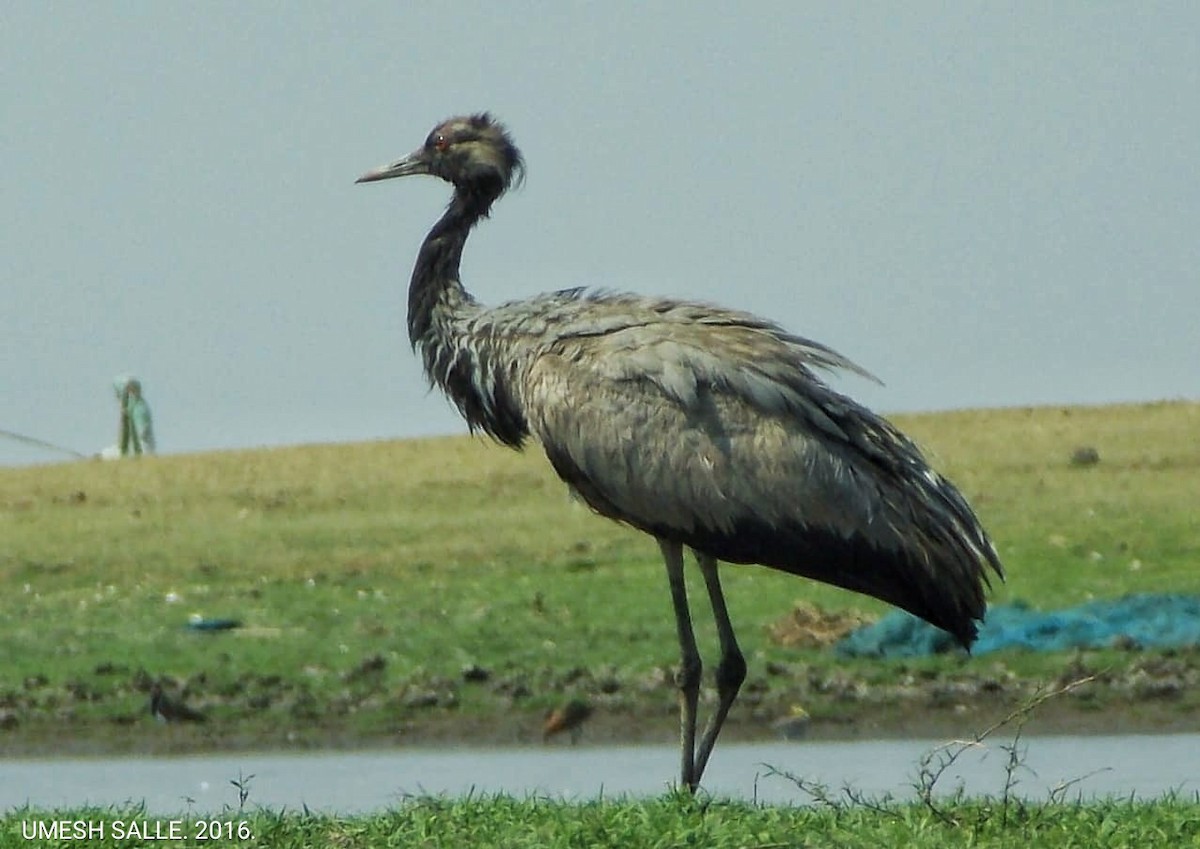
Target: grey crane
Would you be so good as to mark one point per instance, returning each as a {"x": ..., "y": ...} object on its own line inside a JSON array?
[{"x": 705, "y": 427}]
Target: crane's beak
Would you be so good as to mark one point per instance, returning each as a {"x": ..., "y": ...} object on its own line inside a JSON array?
[{"x": 414, "y": 163}]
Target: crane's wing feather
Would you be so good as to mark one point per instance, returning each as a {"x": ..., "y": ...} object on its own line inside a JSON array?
[{"x": 710, "y": 428}]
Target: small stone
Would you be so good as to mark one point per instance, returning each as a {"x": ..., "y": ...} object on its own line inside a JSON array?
[
  {"x": 370, "y": 666},
  {"x": 1085, "y": 455},
  {"x": 421, "y": 699},
  {"x": 475, "y": 674},
  {"x": 774, "y": 668}
]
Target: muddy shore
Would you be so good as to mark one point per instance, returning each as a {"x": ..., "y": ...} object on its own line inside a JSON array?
[{"x": 1152, "y": 693}]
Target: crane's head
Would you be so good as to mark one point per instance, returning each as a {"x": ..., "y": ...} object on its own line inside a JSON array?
[{"x": 474, "y": 152}]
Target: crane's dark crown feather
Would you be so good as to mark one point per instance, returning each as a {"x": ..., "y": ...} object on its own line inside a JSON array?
[{"x": 475, "y": 153}]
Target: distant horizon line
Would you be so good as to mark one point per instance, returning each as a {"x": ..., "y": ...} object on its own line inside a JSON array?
[{"x": 266, "y": 446}]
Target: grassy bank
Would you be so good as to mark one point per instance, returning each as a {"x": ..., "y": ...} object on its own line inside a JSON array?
[
  {"x": 449, "y": 589},
  {"x": 670, "y": 822}
]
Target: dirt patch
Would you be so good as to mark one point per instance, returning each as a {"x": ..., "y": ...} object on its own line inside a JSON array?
[{"x": 812, "y": 627}]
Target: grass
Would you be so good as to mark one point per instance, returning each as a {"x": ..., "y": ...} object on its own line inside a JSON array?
[
  {"x": 369, "y": 576},
  {"x": 671, "y": 821}
]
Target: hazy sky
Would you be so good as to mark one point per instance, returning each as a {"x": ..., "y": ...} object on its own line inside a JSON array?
[{"x": 984, "y": 204}]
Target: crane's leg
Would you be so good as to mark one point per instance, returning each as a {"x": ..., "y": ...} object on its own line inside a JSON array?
[
  {"x": 731, "y": 671},
  {"x": 688, "y": 678}
]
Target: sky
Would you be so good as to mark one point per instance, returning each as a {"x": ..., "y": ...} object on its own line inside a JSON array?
[{"x": 983, "y": 204}]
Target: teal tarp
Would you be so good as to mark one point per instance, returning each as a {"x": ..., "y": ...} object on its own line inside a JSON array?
[{"x": 1146, "y": 620}]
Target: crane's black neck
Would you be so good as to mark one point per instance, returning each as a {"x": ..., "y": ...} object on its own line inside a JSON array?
[
  {"x": 471, "y": 369},
  {"x": 435, "y": 279}
]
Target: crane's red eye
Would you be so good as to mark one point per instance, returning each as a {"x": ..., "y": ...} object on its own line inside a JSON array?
[{"x": 440, "y": 143}]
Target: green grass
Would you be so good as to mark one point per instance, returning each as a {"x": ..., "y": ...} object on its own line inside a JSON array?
[
  {"x": 441, "y": 553},
  {"x": 675, "y": 821}
]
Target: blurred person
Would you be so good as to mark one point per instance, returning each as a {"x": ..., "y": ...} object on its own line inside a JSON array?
[{"x": 136, "y": 435}]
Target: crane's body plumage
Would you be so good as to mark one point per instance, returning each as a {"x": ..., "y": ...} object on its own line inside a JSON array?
[{"x": 706, "y": 427}]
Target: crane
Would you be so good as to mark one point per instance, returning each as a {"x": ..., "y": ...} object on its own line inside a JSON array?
[{"x": 707, "y": 428}]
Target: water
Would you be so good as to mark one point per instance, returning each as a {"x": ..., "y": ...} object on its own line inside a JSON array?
[{"x": 351, "y": 782}]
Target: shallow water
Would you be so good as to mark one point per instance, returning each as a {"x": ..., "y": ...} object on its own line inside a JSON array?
[{"x": 349, "y": 782}]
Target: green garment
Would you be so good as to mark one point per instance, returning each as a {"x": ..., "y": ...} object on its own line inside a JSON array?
[{"x": 137, "y": 430}]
